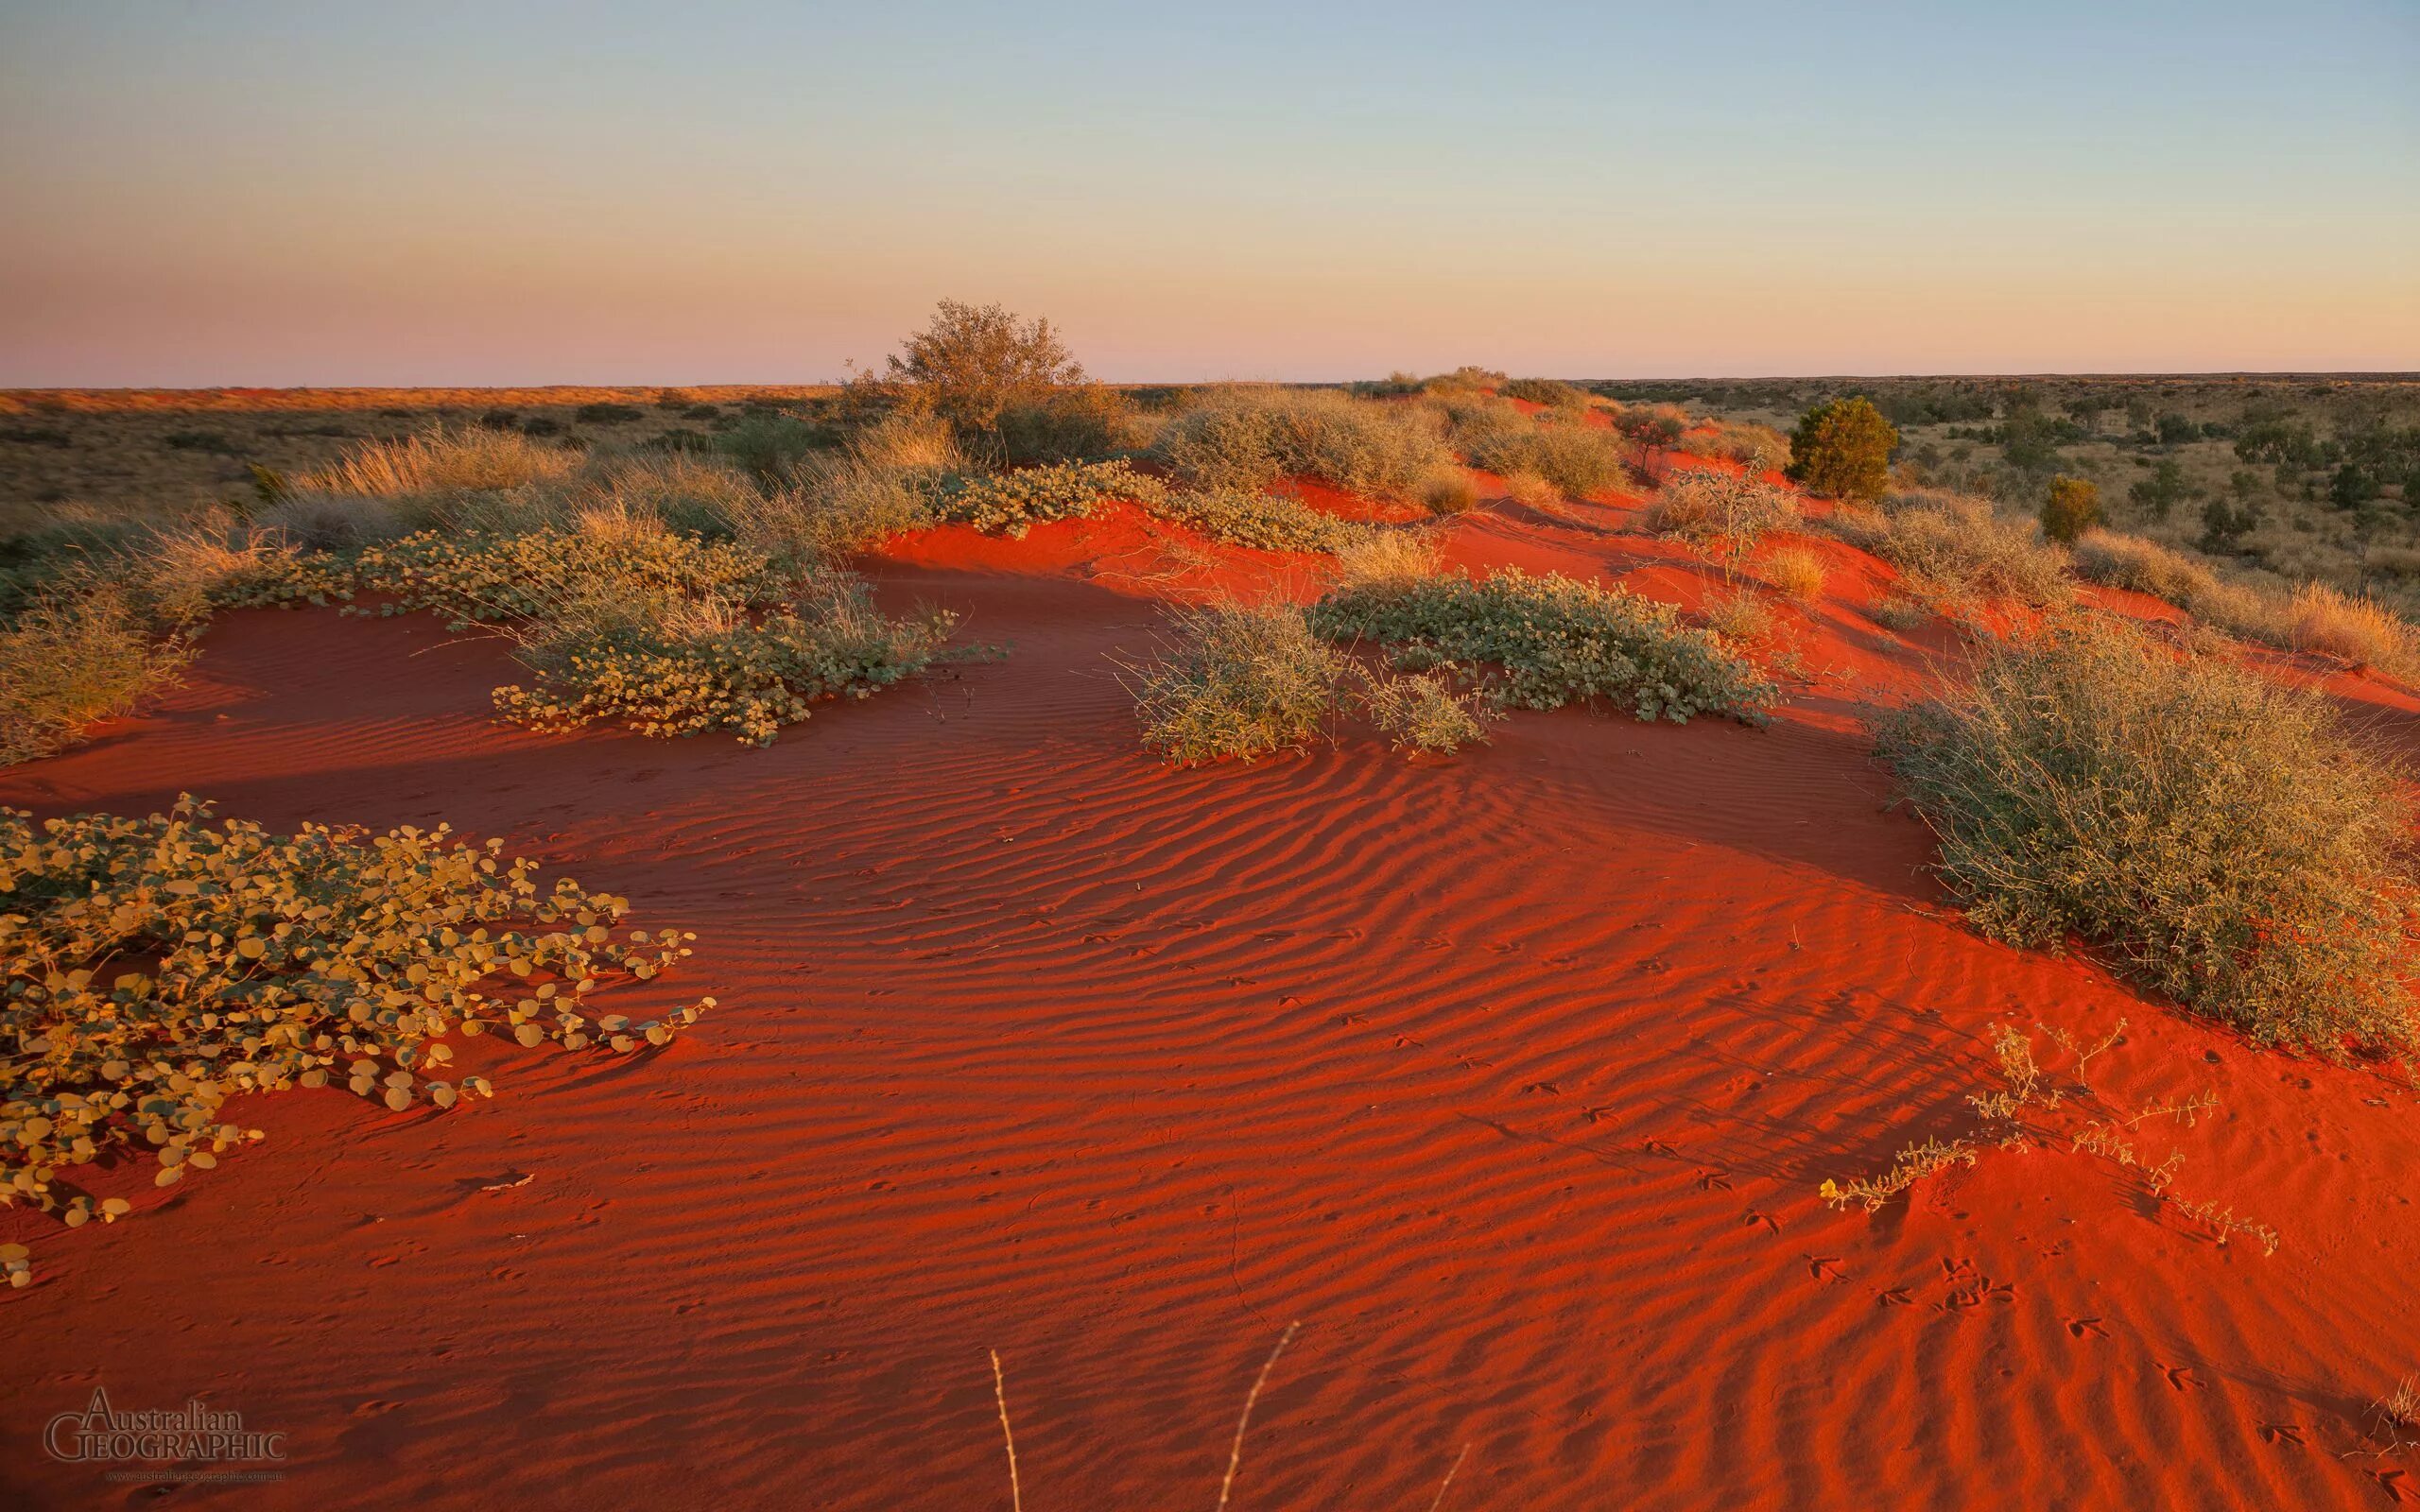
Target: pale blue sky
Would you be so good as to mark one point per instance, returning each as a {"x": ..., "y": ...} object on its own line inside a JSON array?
[{"x": 253, "y": 192}]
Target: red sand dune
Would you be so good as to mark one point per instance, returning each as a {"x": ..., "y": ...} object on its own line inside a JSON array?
[{"x": 1510, "y": 1077}]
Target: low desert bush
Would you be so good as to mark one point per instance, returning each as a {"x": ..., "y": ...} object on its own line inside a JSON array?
[
  {"x": 1577, "y": 459},
  {"x": 1090, "y": 422},
  {"x": 182, "y": 574},
  {"x": 2120, "y": 561},
  {"x": 71, "y": 661},
  {"x": 682, "y": 668},
  {"x": 1553, "y": 393},
  {"x": 160, "y": 969},
  {"x": 381, "y": 489},
  {"x": 1951, "y": 546},
  {"x": 2116, "y": 560},
  {"x": 2220, "y": 835},
  {"x": 1268, "y": 520},
  {"x": 1236, "y": 679},
  {"x": 1248, "y": 437},
  {"x": 1716, "y": 507},
  {"x": 887, "y": 480},
  {"x": 1448, "y": 490},
  {"x": 1758, "y": 448},
  {"x": 1421, "y": 711},
  {"x": 474, "y": 576},
  {"x": 1557, "y": 640},
  {"x": 834, "y": 505},
  {"x": 1011, "y": 503},
  {"x": 771, "y": 446},
  {"x": 1796, "y": 571}
]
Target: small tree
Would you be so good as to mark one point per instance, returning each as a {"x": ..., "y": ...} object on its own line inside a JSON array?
[
  {"x": 2072, "y": 508},
  {"x": 972, "y": 361},
  {"x": 1841, "y": 450},
  {"x": 2162, "y": 491}
]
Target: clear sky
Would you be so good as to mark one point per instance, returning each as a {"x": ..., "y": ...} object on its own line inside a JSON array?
[{"x": 204, "y": 192}]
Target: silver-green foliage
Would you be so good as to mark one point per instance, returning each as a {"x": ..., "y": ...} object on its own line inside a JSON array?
[
  {"x": 1558, "y": 641},
  {"x": 1010, "y": 503},
  {"x": 157, "y": 968},
  {"x": 1245, "y": 517},
  {"x": 2220, "y": 835}
]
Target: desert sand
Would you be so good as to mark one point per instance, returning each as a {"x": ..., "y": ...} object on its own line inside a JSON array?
[{"x": 1513, "y": 1078}]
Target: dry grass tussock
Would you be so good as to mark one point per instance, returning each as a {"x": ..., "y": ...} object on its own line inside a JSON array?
[
  {"x": 1795, "y": 571},
  {"x": 1951, "y": 546},
  {"x": 1234, "y": 679},
  {"x": 72, "y": 661},
  {"x": 886, "y": 481},
  {"x": 1720, "y": 509},
  {"x": 1387, "y": 555},
  {"x": 470, "y": 460},
  {"x": 2358, "y": 630},
  {"x": 2223, "y": 838}
]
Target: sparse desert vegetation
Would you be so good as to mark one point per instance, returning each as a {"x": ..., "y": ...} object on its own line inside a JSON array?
[
  {"x": 2222, "y": 836},
  {"x": 1328, "y": 578}
]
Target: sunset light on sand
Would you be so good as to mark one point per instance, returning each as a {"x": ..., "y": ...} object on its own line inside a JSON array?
[{"x": 945, "y": 758}]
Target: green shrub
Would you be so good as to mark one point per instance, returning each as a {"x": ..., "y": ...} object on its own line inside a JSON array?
[
  {"x": 770, "y": 445},
  {"x": 72, "y": 661},
  {"x": 1249, "y": 438},
  {"x": 605, "y": 412},
  {"x": 2219, "y": 834},
  {"x": 1010, "y": 503},
  {"x": 1236, "y": 679},
  {"x": 1841, "y": 450},
  {"x": 1089, "y": 422},
  {"x": 1269, "y": 522},
  {"x": 474, "y": 576},
  {"x": 160, "y": 969},
  {"x": 684, "y": 668},
  {"x": 1557, "y": 640},
  {"x": 2072, "y": 507}
]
